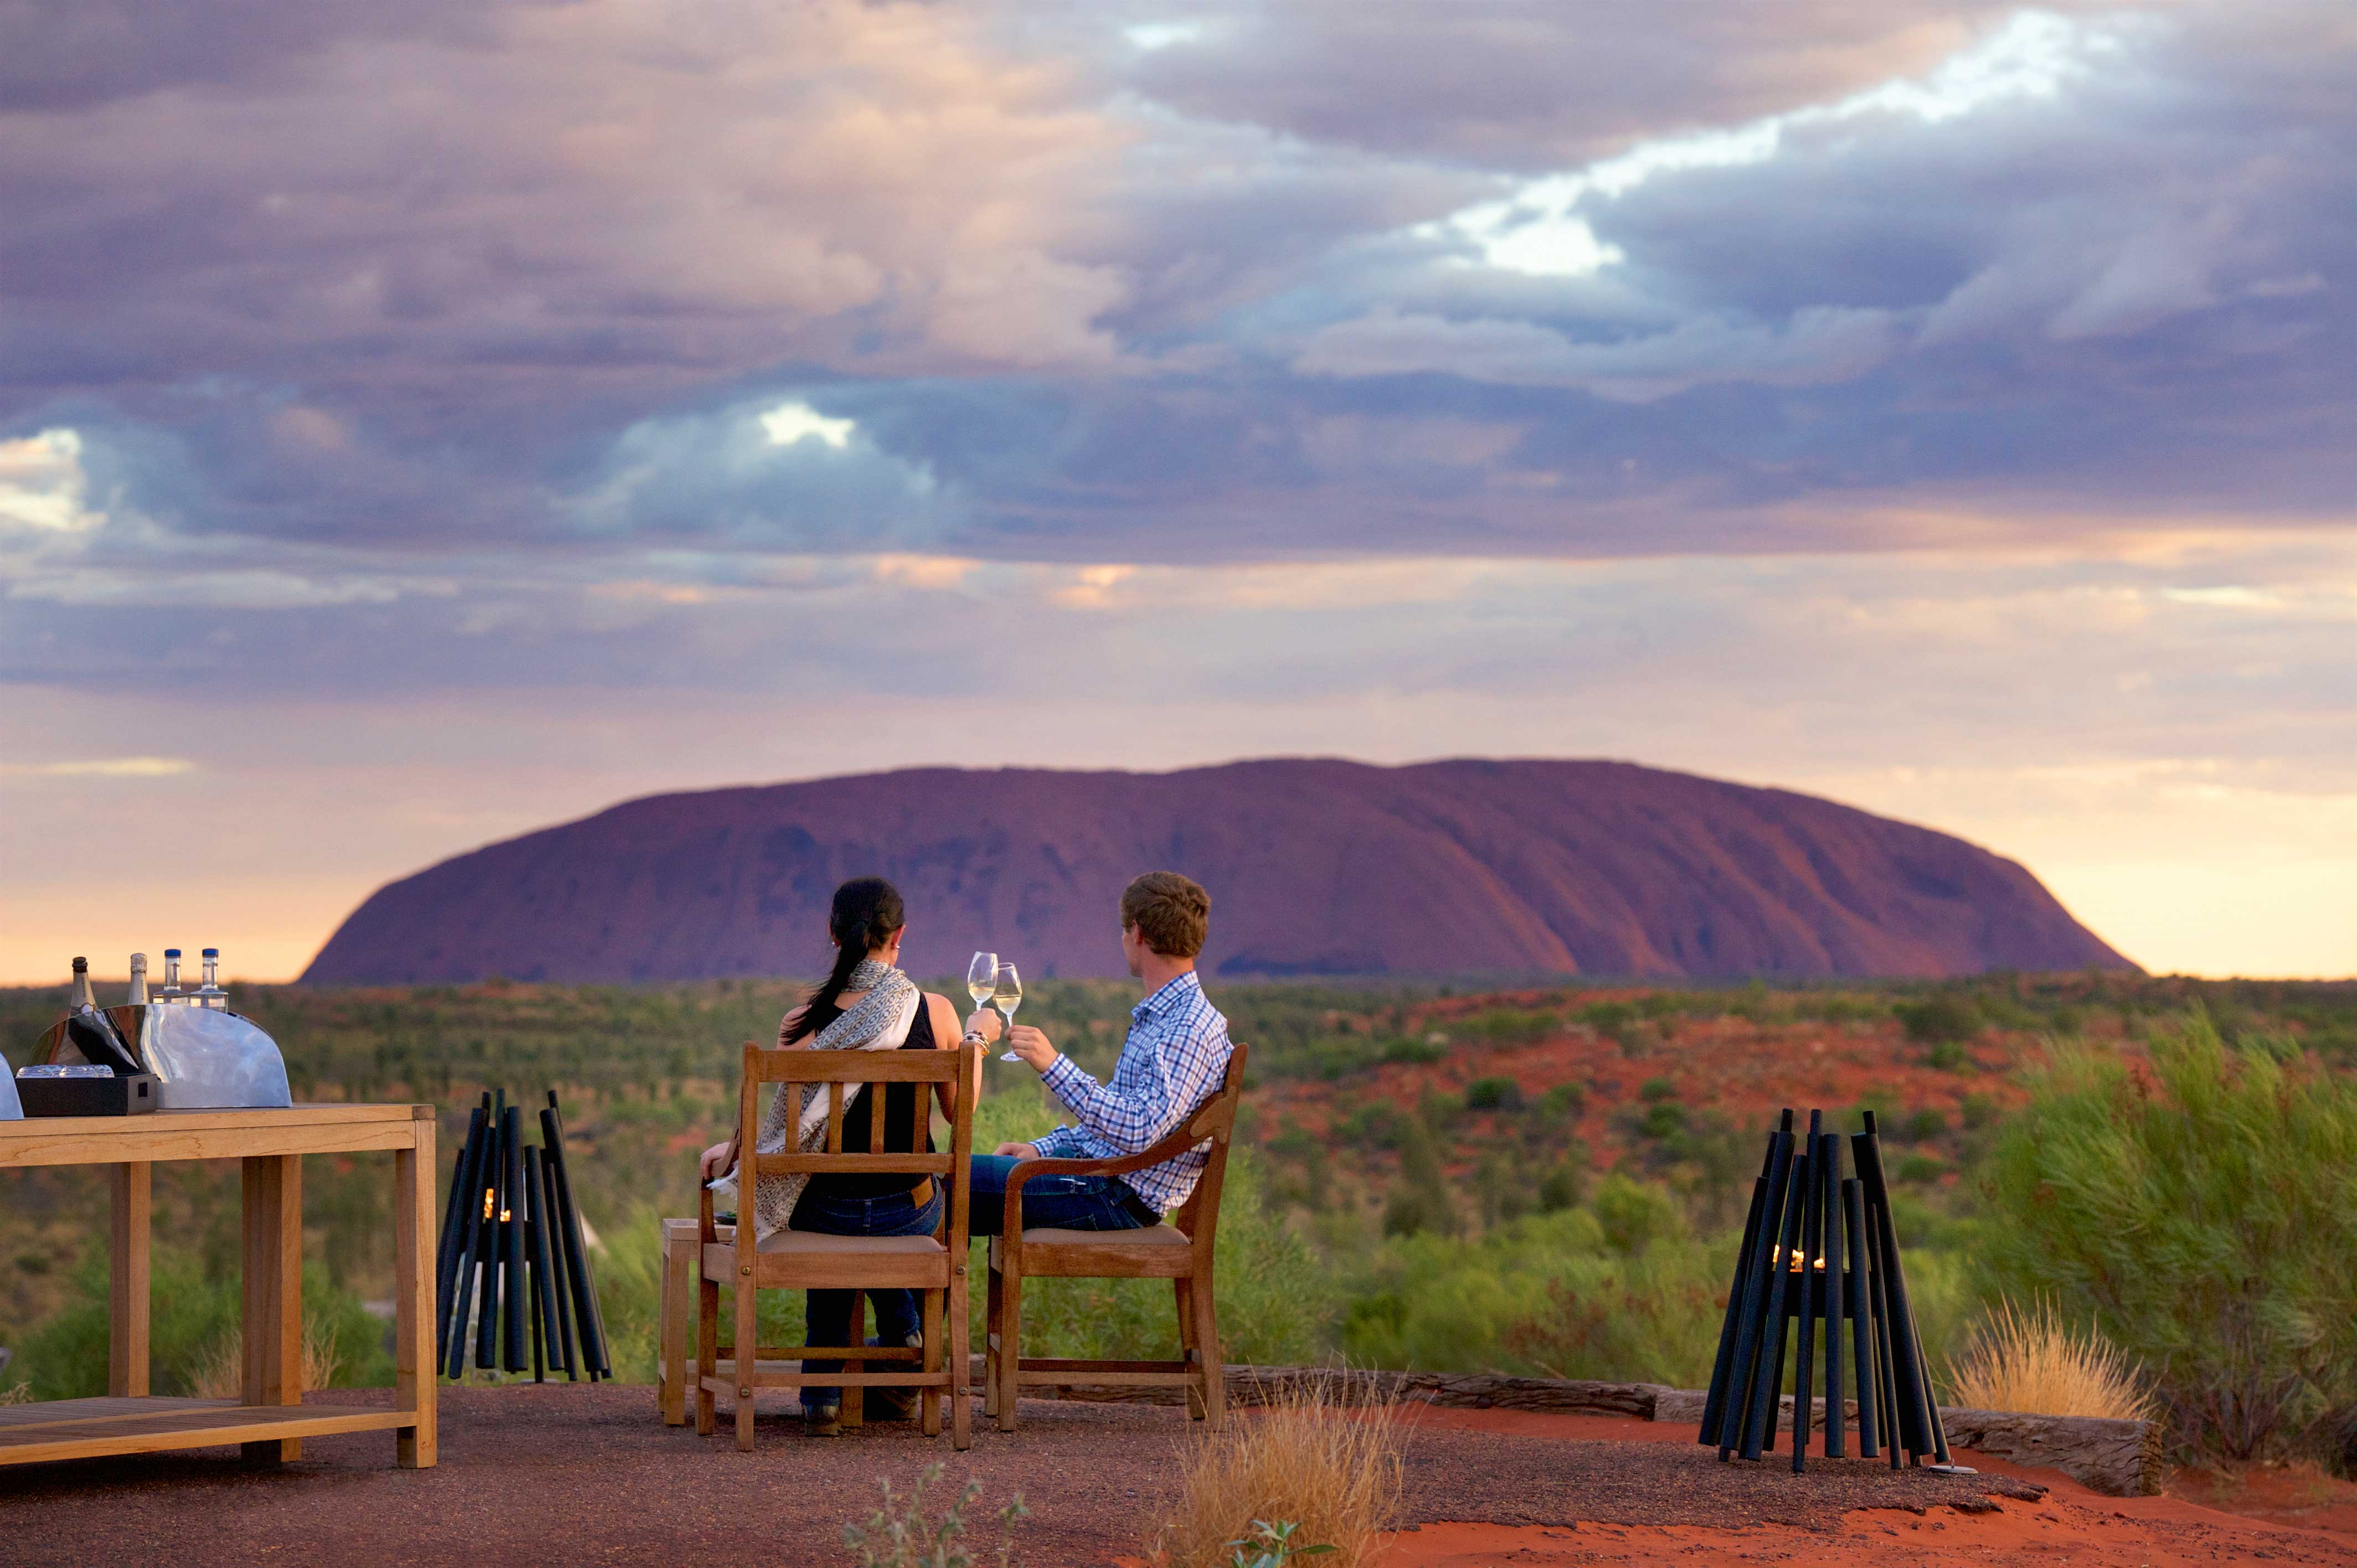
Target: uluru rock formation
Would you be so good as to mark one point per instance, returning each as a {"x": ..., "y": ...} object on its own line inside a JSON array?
[{"x": 1316, "y": 868}]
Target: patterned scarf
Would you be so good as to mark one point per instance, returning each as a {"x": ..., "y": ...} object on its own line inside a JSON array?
[{"x": 880, "y": 1022}]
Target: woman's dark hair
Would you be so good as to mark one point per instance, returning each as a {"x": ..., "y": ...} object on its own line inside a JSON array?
[{"x": 866, "y": 910}]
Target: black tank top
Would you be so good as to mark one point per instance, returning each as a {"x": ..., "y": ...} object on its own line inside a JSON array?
[{"x": 900, "y": 1122}]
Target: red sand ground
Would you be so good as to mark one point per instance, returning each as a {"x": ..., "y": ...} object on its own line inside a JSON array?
[
  {"x": 575, "y": 1476},
  {"x": 2302, "y": 1517}
]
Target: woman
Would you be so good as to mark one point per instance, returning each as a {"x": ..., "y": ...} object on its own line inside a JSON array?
[{"x": 864, "y": 1004}]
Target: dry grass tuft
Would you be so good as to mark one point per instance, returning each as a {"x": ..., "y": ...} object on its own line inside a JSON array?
[
  {"x": 221, "y": 1373},
  {"x": 1302, "y": 1459},
  {"x": 2032, "y": 1362}
]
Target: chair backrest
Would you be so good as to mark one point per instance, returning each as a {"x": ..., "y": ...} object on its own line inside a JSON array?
[
  {"x": 842, "y": 1073},
  {"x": 1214, "y": 1122}
]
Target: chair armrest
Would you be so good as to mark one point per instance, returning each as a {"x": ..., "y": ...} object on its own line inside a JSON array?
[{"x": 1176, "y": 1144}]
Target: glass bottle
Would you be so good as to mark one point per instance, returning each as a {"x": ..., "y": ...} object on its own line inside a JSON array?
[
  {"x": 80, "y": 997},
  {"x": 211, "y": 995},
  {"x": 171, "y": 992},
  {"x": 138, "y": 997}
]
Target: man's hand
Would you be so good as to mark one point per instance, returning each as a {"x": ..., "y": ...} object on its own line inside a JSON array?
[
  {"x": 984, "y": 1022},
  {"x": 715, "y": 1160},
  {"x": 1035, "y": 1049},
  {"x": 1019, "y": 1151}
]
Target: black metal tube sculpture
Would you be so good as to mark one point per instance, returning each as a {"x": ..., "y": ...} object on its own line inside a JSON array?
[
  {"x": 1820, "y": 1248},
  {"x": 511, "y": 1255}
]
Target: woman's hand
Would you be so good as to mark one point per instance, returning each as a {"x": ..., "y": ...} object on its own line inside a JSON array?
[
  {"x": 717, "y": 1159},
  {"x": 984, "y": 1022},
  {"x": 1019, "y": 1151}
]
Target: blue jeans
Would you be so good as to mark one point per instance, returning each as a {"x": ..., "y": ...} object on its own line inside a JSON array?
[
  {"x": 830, "y": 1312},
  {"x": 1059, "y": 1202}
]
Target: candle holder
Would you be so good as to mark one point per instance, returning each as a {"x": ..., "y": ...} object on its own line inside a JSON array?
[{"x": 1820, "y": 1248}]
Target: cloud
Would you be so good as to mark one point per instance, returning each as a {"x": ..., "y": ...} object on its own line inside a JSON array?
[
  {"x": 103, "y": 768},
  {"x": 42, "y": 485}
]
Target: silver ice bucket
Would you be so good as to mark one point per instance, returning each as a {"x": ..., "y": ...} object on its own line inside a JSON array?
[{"x": 209, "y": 1058}]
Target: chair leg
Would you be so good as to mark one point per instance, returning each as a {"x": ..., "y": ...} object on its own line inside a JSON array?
[
  {"x": 1010, "y": 1348},
  {"x": 855, "y": 1397},
  {"x": 670, "y": 1334},
  {"x": 990, "y": 1301},
  {"x": 708, "y": 1361},
  {"x": 1184, "y": 1291},
  {"x": 960, "y": 1364},
  {"x": 929, "y": 1402},
  {"x": 1207, "y": 1345},
  {"x": 747, "y": 1360}
]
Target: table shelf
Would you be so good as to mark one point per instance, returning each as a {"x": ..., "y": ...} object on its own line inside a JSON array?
[{"x": 87, "y": 1428}]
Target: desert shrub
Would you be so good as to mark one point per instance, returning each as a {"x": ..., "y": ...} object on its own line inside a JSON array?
[
  {"x": 1656, "y": 1089},
  {"x": 1938, "y": 1018},
  {"x": 1562, "y": 1186},
  {"x": 1416, "y": 1051},
  {"x": 1605, "y": 1016},
  {"x": 1923, "y": 1126},
  {"x": 1948, "y": 1057},
  {"x": 1510, "y": 1025},
  {"x": 898, "y": 1535},
  {"x": 1440, "y": 1112},
  {"x": 1662, "y": 1119},
  {"x": 2206, "y": 1208},
  {"x": 1921, "y": 1168},
  {"x": 1493, "y": 1094},
  {"x": 1979, "y": 1111},
  {"x": 1333, "y": 1475},
  {"x": 1562, "y": 1102},
  {"x": 1420, "y": 1199},
  {"x": 1633, "y": 1215},
  {"x": 2032, "y": 1361}
]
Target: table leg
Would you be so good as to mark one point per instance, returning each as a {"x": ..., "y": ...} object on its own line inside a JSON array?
[
  {"x": 128, "y": 1295},
  {"x": 414, "y": 1387},
  {"x": 273, "y": 1291}
]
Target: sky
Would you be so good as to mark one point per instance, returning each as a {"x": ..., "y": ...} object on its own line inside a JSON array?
[{"x": 421, "y": 422}]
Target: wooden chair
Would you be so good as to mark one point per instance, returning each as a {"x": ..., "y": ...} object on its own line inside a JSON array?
[
  {"x": 803, "y": 1260},
  {"x": 1177, "y": 1250}
]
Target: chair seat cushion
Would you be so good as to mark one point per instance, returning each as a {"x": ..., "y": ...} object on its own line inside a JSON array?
[
  {"x": 1143, "y": 1235},
  {"x": 815, "y": 1241}
]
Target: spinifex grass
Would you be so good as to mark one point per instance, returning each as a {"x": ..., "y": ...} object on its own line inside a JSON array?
[
  {"x": 1330, "y": 1471},
  {"x": 2030, "y": 1360}
]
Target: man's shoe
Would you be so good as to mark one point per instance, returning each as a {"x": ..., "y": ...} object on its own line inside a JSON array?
[
  {"x": 823, "y": 1420},
  {"x": 893, "y": 1404}
]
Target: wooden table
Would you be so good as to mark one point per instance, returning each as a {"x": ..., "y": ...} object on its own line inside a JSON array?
[{"x": 269, "y": 1418}]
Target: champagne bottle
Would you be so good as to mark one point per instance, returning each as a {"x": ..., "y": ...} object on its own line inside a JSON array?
[
  {"x": 138, "y": 997},
  {"x": 171, "y": 992},
  {"x": 211, "y": 995},
  {"x": 90, "y": 1033}
]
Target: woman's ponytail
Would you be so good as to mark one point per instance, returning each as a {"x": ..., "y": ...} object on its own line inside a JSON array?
[{"x": 867, "y": 911}]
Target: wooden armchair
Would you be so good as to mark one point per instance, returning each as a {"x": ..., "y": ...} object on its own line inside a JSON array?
[
  {"x": 1177, "y": 1250},
  {"x": 801, "y": 1259}
]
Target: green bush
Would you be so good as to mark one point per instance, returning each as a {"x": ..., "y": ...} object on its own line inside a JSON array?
[
  {"x": 1938, "y": 1018},
  {"x": 2207, "y": 1210},
  {"x": 1493, "y": 1094},
  {"x": 1562, "y": 1186},
  {"x": 1655, "y": 1088},
  {"x": 1921, "y": 1168},
  {"x": 1633, "y": 1215},
  {"x": 1948, "y": 1057},
  {"x": 1563, "y": 1101},
  {"x": 1662, "y": 1119}
]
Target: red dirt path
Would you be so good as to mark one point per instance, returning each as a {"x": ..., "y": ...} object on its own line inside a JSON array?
[{"x": 575, "y": 1476}]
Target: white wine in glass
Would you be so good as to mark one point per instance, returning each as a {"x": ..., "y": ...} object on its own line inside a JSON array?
[
  {"x": 1007, "y": 993},
  {"x": 980, "y": 976}
]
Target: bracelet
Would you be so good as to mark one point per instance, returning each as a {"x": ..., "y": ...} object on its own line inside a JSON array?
[{"x": 975, "y": 1037}]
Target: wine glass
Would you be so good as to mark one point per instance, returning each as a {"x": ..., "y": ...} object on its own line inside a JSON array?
[{"x": 1007, "y": 993}]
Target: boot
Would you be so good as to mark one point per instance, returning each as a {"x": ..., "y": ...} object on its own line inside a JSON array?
[{"x": 893, "y": 1404}]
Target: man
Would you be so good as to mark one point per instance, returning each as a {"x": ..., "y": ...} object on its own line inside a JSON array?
[{"x": 1174, "y": 1059}]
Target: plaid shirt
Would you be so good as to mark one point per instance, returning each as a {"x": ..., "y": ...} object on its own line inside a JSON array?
[{"x": 1174, "y": 1059}]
